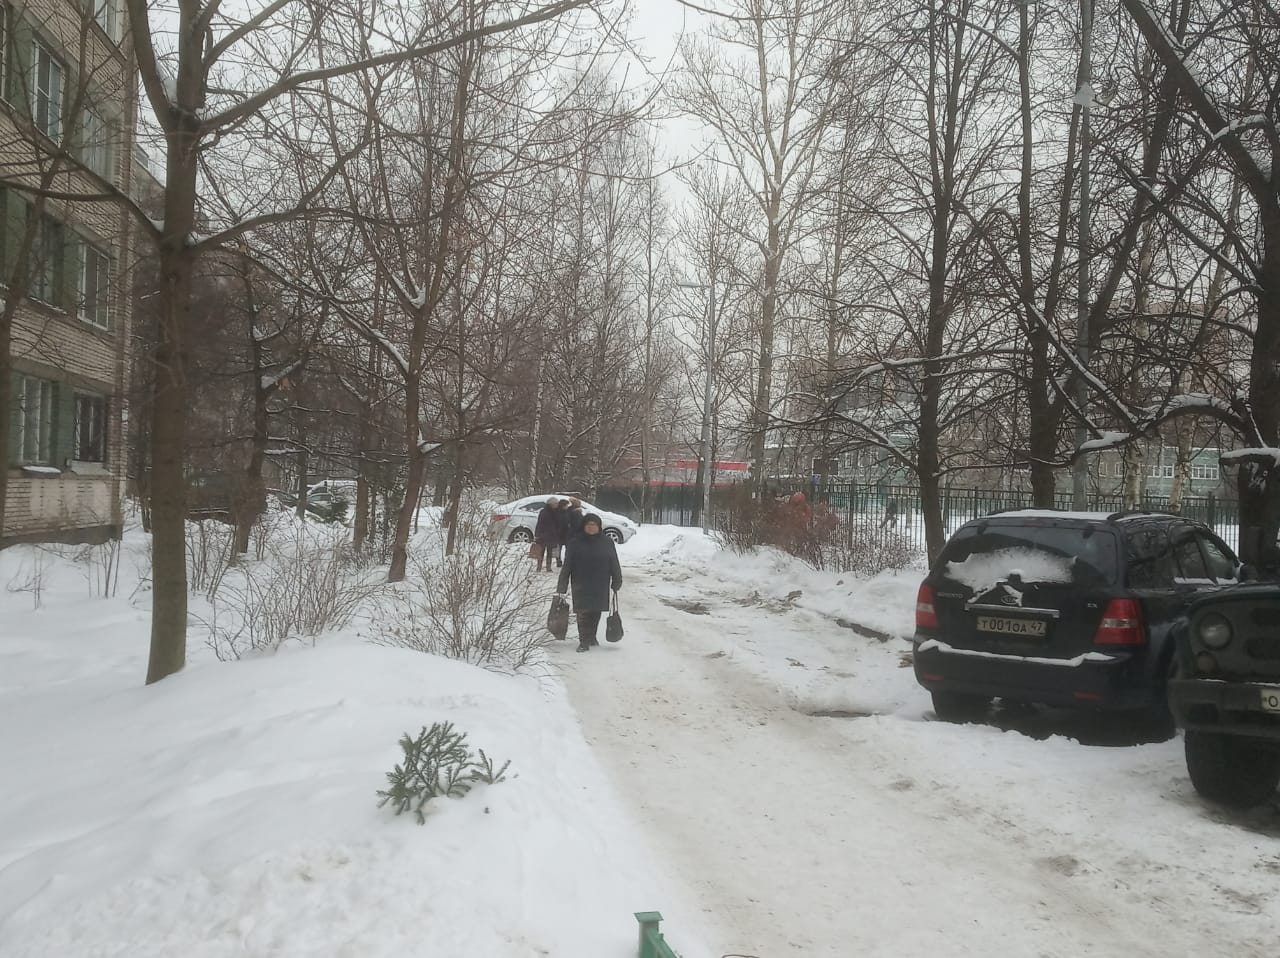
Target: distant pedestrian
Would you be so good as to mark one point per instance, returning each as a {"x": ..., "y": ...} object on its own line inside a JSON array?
[
  {"x": 591, "y": 566},
  {"x": 562, "y": 517},
  {"x": 574, "y": 516},
  {"x": 546, "y": 533},
  {"x": 890, "y": 519}
]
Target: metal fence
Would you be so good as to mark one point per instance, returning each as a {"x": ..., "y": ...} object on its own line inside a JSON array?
[{"x": 893, "y": 506}]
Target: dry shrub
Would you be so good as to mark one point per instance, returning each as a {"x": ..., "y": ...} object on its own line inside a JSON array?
[
  {"x": 304, "y": 587},
  {"x": 476, "y": 605},
  {"x": 210, "y": 552},
  {"x": 816, "y": 535}
]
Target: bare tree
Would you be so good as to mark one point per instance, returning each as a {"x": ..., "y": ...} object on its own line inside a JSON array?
[{"x": 762, "y": 82}]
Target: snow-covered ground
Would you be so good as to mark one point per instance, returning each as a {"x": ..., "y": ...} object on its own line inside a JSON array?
[
  {"x": 231, "y": 809},
  {"x": 754, "y": 759},
  {"x": 844, "y": 833}
]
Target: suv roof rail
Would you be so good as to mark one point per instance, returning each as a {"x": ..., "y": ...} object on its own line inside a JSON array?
[{"x": 1132, "y": 513}]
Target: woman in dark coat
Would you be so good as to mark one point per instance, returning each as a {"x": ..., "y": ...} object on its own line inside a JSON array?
[
  {"x": 546, "y": 533},
  {"x": 591, "y": 564}
]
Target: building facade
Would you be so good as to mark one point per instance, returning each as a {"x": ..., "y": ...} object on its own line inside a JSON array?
[{"x": 67, "y": 80}]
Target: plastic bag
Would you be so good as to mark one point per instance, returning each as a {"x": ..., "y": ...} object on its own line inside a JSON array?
[{"x": 558, "y": 617}]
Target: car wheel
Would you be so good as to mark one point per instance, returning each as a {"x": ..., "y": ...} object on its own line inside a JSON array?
[
  {"x": 959, "y": 706},
  {"x": 614, "y": 534},
  {"x": 520, "y": 535},
  {"x": 1231, "y": 769}
]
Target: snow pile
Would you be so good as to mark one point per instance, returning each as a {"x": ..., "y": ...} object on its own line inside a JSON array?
[
  {"x": 833, "y": 642},
  {"x": 231, "y": 808}
]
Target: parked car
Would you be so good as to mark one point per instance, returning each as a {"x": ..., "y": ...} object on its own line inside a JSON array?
[
  {"x": 325, "y": 504},
  {"x": 1064, "y": 609},
  {"x": 516, "y": 520},
  {"x": 1226, "y": 693},
  {"x": 212, "y": 495}
]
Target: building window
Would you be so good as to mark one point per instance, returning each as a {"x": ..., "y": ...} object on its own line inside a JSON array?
[
  {"x": 1160, "y": 470},
  {"x": 95, "y": 143},
  {"x": 107, "y": 13},
  {"x": 95, "y": 286},
  {"x": 90, "y": 428},
  {"x": 46, "y": 91},
  {"x": 1204, "y": 470},
  {"x": 46, "y": 265},
  {"x": 46, "y": 260},
  {"x": 34, "y": 440}
]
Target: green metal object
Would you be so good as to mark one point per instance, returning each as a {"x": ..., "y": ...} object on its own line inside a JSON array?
[{"x": 652, "y": 944}]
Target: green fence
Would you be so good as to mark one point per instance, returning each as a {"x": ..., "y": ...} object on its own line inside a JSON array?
[{"x": 897, "y": 507}]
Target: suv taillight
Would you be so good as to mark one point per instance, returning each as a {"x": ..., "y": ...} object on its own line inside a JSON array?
[
  {"x": 926, "y": 616},
  {"x": 1121, "y": 624}
]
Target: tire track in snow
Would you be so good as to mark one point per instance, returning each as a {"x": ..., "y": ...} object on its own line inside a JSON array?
[{"x": 793, "y": 846}]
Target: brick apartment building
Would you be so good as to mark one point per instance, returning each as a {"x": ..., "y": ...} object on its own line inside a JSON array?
[{"x": 68, "y": 81}]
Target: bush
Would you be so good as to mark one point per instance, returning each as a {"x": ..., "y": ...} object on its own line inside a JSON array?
[
  {"x": 304, "y": 587},
  {"x": 438, "y": 763},
  {"x": 210, "y": 553},
  {"x": 475, "y": 605},
  {"x": 816, "y": 535}
]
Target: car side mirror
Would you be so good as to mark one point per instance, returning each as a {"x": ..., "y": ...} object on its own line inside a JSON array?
[{"x": 1247, "y": 572}]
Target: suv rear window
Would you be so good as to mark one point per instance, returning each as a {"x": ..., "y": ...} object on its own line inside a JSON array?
[{"x": 981, "y": 557}]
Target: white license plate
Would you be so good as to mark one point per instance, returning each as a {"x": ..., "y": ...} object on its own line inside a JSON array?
[
  {"x": 1270, "y": 699},
  {"x": 1003, "y": 626}
]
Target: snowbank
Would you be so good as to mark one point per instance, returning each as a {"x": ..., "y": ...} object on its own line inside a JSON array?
[
  {"x": 834, "y": 642},
  {"x": 231, "y": 808}
]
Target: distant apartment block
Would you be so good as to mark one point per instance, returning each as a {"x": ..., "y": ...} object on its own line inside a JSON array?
[{"x": 67, "y": 81}]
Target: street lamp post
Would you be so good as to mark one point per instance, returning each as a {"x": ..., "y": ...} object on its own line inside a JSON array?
[
  {"x": 707, "y": 399},
  {"x": 1084, "y": 97}
]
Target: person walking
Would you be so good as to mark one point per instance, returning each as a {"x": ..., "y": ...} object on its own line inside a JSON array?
[
  {"x": 574, "y": 516},
  {"x": 591, "y": 565},
  {"x": 566, "y": 530},
  {"x": 546, "y": 533}
]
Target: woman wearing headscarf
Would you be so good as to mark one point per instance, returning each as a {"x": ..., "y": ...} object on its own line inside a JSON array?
[{"x": 591, "y": 566}]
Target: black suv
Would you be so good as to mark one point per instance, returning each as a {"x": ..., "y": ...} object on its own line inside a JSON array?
[
  {"x": 1060, "y": 608},
  {"x": 1226, "y": 693}
]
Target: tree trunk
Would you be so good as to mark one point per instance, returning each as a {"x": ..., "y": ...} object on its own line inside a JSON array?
[
  {"x": 303, "y": 476},
  {"x": 764, "y": 383},
  {"x": 1257, "y": 482},
  {"x": 1042, "y": 436},
  {"x": 251, "y": 500},
  {"x": 168, "y": 461},
  {"x": 454, "y": 507},
  {"x": 1134, "y": 472},
  {"x": 415, "y": 474},
  {"x": 404, "y": 518}
]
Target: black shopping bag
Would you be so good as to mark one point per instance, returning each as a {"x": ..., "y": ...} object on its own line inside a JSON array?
[
  {"x": 558, "y": 617},
  {"x": 613, "y": 627}
]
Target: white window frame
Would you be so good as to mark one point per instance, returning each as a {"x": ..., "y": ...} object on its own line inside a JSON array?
[
  {"x": 35, "y": 426},
  {"x": 93, "y": 285},
  {"x": 47, "y": 96},
  {"x": 1205, "y": 471},
  {"x": 97, "y": 404},
  {"x": 107, "y": 14},
  {"x": 95, "y": 142}
]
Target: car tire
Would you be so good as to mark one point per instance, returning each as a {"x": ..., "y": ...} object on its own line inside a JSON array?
[
  {"x": 520, "y": 535},
  {"x": 959, "y": 706},
  {"x": 615, "y": 535},
  {"x": 1232, "y": 769}
]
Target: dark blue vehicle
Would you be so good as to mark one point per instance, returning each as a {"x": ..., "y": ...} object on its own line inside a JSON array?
[{"x": 1061, "y": 608}]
